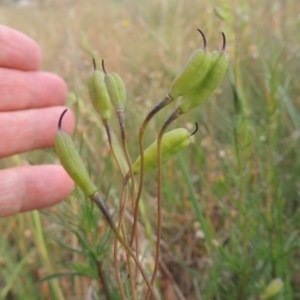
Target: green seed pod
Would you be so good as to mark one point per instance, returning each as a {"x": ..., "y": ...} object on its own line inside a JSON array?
[
  {"x": 98, "y": 93},
  {"x": 214, "y": 76},
  {"x": 71, "y": 160},
  {"x": 116, "y": 89},
  {"x": 192, "y": 73},
  {"x": 172, "y": 142}
]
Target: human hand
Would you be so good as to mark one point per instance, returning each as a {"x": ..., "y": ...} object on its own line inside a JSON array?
[{"x": 30, "y": 105}]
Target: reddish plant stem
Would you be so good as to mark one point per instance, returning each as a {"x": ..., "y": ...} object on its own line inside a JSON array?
[
  {"x": 167, "y": 100},
  {"x": 172, "y": 117}
]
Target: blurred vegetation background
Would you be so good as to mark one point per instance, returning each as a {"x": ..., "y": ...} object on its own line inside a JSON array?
[{"x": 231, "y": 213}]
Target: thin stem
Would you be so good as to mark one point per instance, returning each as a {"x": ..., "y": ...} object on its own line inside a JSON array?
[
  {"x": 97, "y": 199},
  {"x": 44, "y": 253},
  {"x": 116, "y": 265},
  {"x": 172, "y": 117},
  {"x": 129, "y": 163},
  {"x": 132, "y": 275},
  {"x": 126, "y": 152},
  {"x": 123, "y": 202},
  {"x": 121, "y": 226},
  {"x": 102, "y": 279},
  {"x": 167, "y": 100},
  {"x": 108, "y": 132}
]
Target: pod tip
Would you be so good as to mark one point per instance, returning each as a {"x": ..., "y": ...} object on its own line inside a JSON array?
[
  {"x": 103, "y": 67},
  {"x": 224, "y": 41},
  {"x": 204, "y": 38},
  {"x": 94, "y": 63},
  {"x": 60, "y": 119},
  {"x": 195, "y": 129}
]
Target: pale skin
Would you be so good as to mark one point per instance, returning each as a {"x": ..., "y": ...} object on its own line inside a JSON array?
[{"x": 31, "y": 102}]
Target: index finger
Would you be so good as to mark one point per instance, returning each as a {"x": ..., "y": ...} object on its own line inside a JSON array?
[{"x": 18, "y": 51}]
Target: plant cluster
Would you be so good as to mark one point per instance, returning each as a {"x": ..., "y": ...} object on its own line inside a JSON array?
[{"x": 196, "y": 82}]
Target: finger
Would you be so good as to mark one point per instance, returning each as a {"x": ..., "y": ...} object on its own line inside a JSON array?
[
  {"x": 18, "y": 51},
  {"x": 23, "y": 90},
  {"x": 22, "y": 131},
  {"x": 33, "y": 187}
]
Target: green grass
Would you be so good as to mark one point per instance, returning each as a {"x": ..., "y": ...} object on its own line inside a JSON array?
[{"x": 231, "y": 213}]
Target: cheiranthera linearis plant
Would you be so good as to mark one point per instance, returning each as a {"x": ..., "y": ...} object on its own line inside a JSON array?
[{"x": 199, "y": 78}]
